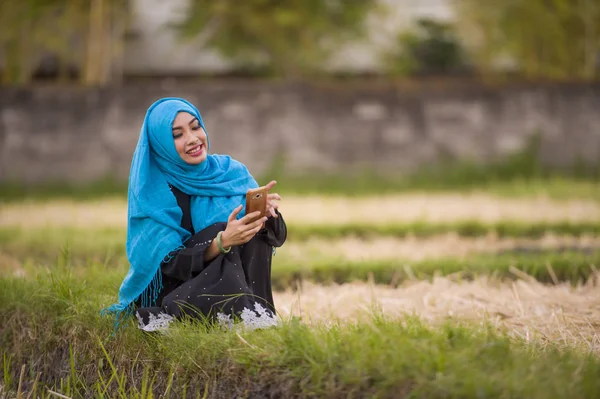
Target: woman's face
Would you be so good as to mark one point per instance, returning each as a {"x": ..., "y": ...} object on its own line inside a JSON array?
[{"x": 190, "y": 138}]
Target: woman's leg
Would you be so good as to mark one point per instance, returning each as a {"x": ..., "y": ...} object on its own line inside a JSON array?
[{"x": 256, "y": 256}]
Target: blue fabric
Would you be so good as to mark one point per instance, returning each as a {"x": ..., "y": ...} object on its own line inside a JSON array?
[{"x": 216, "y": 186}]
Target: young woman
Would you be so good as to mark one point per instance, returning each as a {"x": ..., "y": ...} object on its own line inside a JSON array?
[{"x": 191, "y": 248}]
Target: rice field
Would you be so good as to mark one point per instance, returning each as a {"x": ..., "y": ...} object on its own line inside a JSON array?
[{"x": 402, "y": 266}]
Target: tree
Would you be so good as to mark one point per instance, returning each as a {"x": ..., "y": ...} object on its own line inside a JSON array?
[
  {"x": 430, "y": 47},
  {"x": 292, "y": 37},
  {"x": 107, "y": 20},
  {"x": 82, "y": 33},
  {"x": 549, "y": 39},
  {"x": 18, "y": 20}
]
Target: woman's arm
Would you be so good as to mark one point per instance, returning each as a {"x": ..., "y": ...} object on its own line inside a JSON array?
[
  {"x": 212, "y": 251},
  {"x": 237, "y": 232},
  {"x": 199, "y": 250},
  {"x": 182, "y": 264}
]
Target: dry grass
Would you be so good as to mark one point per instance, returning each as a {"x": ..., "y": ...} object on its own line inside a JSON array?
[
  {"x": 65, "y": 213},
  {"x": 415, "y": 248},
  {"x": 317, "y": 210},
  {"x": 435, "y": 208},
  {"x": 525, "y": 308}
]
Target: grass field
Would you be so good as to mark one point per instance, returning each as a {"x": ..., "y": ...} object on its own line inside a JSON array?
[{"x": 438, "y": 295}]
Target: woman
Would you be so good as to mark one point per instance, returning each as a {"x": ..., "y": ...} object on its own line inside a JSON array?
[{"x": 191, "y": 248}]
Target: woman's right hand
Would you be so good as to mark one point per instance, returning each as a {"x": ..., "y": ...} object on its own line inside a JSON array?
[{"x": 241, "y": 231}]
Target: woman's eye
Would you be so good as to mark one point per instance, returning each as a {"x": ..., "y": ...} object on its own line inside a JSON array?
[
  {"x": 196, "y": 127},
  {"x": 177, "y": 135}
]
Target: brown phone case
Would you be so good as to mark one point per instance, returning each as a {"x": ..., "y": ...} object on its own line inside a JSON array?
[{"x": 256, "y": 200}]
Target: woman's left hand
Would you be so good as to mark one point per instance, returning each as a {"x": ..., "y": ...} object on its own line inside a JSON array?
[{"x": 271, "y": 198}]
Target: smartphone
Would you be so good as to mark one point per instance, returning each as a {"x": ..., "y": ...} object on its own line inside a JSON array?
[{"x": 256, "y": 200}]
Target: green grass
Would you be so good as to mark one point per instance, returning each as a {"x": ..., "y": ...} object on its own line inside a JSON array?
[
  {"x": 81, "y": 245},
  {"x": 361, "y": 185},
  {"x": 51, "y": 326},
  {"x": 11, "y": 191},
  {"x": 465, "y": 228},
  {"x": 84, "y": 252},
  {"x": 107, "y": 245},
  {"x": 556, "y": 187},
  {"x": 544, "y": 266}
]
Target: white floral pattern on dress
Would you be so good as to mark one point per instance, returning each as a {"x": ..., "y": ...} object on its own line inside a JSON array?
[
  {"x": 155, "y": 323},
  {"x": 258, "y": 318},
  {"x": 224, "y": 320},
  {"x": 249, "y": 318}
]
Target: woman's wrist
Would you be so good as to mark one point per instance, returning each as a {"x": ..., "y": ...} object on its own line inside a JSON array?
[{"x": 224, "y": 241}]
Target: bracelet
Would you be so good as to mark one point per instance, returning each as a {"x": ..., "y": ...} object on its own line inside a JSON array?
[{"x": 220, "y": 245}]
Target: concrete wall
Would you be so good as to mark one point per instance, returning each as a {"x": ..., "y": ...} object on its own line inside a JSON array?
[{"x": 75, "y": 134}]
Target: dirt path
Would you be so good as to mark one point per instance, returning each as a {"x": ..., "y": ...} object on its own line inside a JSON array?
[
  {"x": 524, "y": 308},
  {"x": 316, "y": 210}
]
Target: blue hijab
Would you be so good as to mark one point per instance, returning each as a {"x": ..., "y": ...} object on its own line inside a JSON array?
[{"x": 216, "y": 186}]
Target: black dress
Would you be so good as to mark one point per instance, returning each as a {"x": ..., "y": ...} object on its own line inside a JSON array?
[{"x": 232, "y": 286}]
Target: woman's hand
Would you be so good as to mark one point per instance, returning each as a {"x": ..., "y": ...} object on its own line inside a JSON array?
[
  {"x": 271, "y": 198},
  {"x": 240, "y": 231}
]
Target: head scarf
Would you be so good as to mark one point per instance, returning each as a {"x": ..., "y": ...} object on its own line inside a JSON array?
[{"x": 216, "y": 186}]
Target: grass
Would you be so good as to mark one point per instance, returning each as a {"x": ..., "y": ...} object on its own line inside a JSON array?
[
  {"x": 353, "y": 185},
  {"x": 556, "y": 187},
  {"x": 107, "y": 245},
  {"x": 81, "y": 245},
  {"x": 544, "y": 266},
  {"x": 107, "y": 252},
  {"x": 51, "y": 326},
  {"x": 52, "y": 338},
  {"x": 465, "y": 228}
]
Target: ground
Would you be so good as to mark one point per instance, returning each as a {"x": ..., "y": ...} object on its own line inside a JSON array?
[{"x": 410, "y": 272}]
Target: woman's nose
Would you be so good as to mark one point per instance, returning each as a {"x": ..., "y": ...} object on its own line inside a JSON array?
[{"x": 191, "y": 138}]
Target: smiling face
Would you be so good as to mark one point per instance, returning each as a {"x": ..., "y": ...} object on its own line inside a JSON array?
[{"x": 190, "y": 139}]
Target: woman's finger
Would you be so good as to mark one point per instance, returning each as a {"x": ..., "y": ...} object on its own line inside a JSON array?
[
  {"x": 250, "y": 233},
  {"x": 234, "y": 213},
  {"x": 251, "y": 216},
  {"x": 245, "y": 228},
  {"x": 272, "y": 211},
  {"x": 274, "y": 196},
  {"x": 257, "y": 223},
  {"x": 270, "y": 185}
]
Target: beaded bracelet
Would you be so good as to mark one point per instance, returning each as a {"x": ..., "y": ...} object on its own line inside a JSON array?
[{"x": 220, "y": 245}]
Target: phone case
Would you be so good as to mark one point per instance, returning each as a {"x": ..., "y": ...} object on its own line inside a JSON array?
[{"x": 256, "y": 200}]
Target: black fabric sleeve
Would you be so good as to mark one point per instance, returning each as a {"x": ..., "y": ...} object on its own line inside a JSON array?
[
  {"x": 275, "y": 231},
  {"x": 184, "y": 263}
]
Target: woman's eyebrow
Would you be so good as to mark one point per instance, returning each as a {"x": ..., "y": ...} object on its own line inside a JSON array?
[{"x": 180, "y": 128}]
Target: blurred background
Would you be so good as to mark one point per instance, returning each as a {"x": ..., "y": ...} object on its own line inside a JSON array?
[
  {"x": 435, "y": 157},
  {"x": 371, "y": 95}
]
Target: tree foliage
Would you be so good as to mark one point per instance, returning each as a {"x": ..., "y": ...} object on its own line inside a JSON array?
[
  {"x": 78, "y": 33},
  {"x": 548, "y": 39},
  {"x": 291, "y": 37},
  {"x": 429, "y": 48}
]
